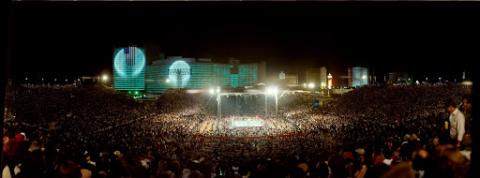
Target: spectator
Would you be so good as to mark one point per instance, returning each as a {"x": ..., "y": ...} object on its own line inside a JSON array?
[
  {"x": 178, "y": 135},
  {"x": 457, "y": 122},
  {"x": 466, "y": 109}
]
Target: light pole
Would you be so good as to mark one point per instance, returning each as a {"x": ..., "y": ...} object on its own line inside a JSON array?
[
  {"x": 273, "y": 90},
  {"x": 219, "y": 101},
  {"x": 216, "y": 91},
  {"x": 276, "y": 104},
  {"x": 266, "y": 106}
]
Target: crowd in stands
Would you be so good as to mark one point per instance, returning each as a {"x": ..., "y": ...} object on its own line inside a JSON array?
[{"x": 97, "y": 132}]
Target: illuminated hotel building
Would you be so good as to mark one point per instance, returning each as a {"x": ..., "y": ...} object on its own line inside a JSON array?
[
  {"x": 291, "y": 80},
  {"x": 189, "y": 73},
  {"x": 359, "y": 76},
  {"x": 318, "y": 76},
  {"x": 323, "y": 77}
]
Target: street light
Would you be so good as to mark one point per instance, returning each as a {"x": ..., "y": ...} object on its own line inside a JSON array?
[{"x": 167, "y": 80}]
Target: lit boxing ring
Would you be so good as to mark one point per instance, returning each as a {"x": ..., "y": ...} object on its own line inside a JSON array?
[
  {"x": 243, "y": 126},
  {"x": 245, "y": 122}
]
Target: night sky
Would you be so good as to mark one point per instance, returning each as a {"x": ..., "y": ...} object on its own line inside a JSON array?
[{"x": 70, "y": 39}]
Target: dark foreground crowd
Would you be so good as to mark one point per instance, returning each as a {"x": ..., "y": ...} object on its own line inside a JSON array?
[{"x": 371, "y": 132}]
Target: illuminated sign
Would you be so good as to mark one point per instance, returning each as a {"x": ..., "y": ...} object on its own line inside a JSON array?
[
  {"x": 129, "y": 62},
  {"x": 129, "y": 69}
]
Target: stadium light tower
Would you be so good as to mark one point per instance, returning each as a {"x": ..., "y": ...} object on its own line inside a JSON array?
[
  {"x": 216, "y": 91},
  {"x": 272, "y": 90}
]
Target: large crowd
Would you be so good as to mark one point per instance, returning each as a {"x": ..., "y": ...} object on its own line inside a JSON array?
[{"x": 379, "y": 131}]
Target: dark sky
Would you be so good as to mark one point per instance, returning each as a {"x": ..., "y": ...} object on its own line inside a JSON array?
[{"x": 77, "y": 38}]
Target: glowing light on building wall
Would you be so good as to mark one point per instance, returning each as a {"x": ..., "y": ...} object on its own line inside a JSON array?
[{"x": 179, "y": 73}]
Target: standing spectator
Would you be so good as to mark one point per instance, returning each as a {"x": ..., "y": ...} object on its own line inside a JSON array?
[
  {"x": 457, "y": 123},
  {"x": 467, "y": 111},
  {"x": 443, "y": 125},
  {"x": 33, "y": 166}
]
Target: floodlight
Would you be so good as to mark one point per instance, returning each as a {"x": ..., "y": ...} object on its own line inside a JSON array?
[
  {"x": 272, "y": 90},
  {"x": 311, "y": 85},
  {"x": 104, "y": 77}
]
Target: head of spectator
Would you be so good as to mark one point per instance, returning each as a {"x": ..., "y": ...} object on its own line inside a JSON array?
[
  {"x": 466, "y": 102},
  {"x": 451, "y": 106}
]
